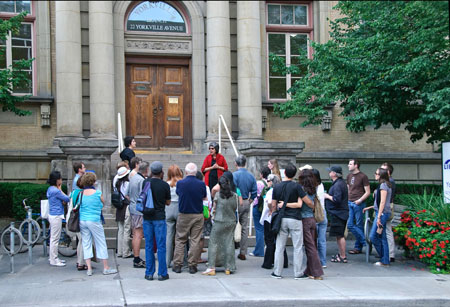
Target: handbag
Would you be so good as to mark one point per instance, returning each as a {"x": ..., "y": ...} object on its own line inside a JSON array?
[
  {"x": 238, "y": 228},
  {"x": 73, "y": 224},
  {"x": 318, "y": 210},
  {"x": 206, "y": 211},
  {"x": 44, "y": 209},
  {"x": 278, "y": 215}
]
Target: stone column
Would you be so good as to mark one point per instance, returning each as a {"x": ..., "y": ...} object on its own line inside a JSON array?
[
  {"x": 218, "y": 61},
  {"x": 68, "y": 69},
  {"x": 249, "y": 70},
  {"x": 101, "y": 69}
]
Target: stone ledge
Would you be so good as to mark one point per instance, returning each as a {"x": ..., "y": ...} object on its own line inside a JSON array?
[{"x": 391, "y": 156}]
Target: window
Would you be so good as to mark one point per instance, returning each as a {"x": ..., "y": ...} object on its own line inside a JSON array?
[
  {"x": 17, "y": 46},
  {"x": 288, "y": 30},
  {"x": 156, "y": 16}
]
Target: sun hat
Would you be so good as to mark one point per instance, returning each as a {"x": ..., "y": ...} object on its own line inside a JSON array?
[{"x": 122, "y": 172}]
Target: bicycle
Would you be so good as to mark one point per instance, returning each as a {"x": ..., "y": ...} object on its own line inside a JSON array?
[{"x": 367, "y": 227}]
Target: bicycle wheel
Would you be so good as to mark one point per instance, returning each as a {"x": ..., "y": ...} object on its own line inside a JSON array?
[
  {"x": 67, "y": 243},
  {"x": 5, "y": 240},
  {"x": 35, "y": 231},
  {"x": 44, "y": 236}
]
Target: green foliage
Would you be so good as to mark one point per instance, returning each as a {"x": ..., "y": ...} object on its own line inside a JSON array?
[
  {"x": 432, "y": 203},
  {"x": 12, "y": 194},
  {"x": 15, "y": 75},
  {"x": 385, "y": 63}
]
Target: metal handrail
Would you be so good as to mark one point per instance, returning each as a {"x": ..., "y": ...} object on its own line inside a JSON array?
[{"x": 221, "y": 119}]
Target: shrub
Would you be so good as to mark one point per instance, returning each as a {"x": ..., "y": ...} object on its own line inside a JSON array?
[
  {"x": 424, "y": 231},
  {"x": 6, "y": 198}
]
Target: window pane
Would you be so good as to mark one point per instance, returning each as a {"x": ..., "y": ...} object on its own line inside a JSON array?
[
  {"x": 274, "y": 14},
  {"x": 272, "y": 73},
  {"x": 299, "y": 44},
  {"x": 300, "y": 14},
  {"x": 287, "y": 15},
  {"x": 277, "y": 44},
  {"x": 23, "y": 6},
  {"x": 2, "y": 57},
  {"x": 21, "y": 54},
  {"x": 302, "y": 69},
  {"x": 277, "y": 88},
  {"x": 7, "y": 6},
  {"x": 25, "y": 87}
]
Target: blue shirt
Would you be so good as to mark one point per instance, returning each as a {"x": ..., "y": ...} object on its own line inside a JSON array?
[
  {"x": 55, "y": 198},
  {"x": 245, "y": 181},
  {"x": 91, "y": 207},
  {"x": 306, "y": 210},
  {"x": 74, "y": 182},
  {"x": 191, "y": 192}
]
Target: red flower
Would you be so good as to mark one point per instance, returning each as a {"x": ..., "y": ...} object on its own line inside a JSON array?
[
  {"x": 429, "y": 255},
  {"x": 438, "y": 264},
  {"x": 423, "y": 240},
  {"x": 445, "y": 257},
  {"x": 443, "y": 262},
  {"x": 420, "y": 256},
  {"x": 433, "y": 252},
  {"x": 446, "y": 241}
]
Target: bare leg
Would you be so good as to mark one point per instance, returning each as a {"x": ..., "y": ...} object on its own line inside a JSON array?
[
  {"x": 136, "y": 243},
  {"x": 105, "y": 264},
  {"x": 341, "y": 246},
  {"x": 89, "y": 264}
]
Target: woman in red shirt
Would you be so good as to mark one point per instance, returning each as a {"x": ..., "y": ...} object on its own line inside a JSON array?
[{"x": 214, "y": 165}]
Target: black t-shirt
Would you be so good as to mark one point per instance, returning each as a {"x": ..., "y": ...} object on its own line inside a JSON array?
[
  {"x": 127, "y": 154},
  {"x": 161, "y": 193},
  {"x": 293, "y": 190}
]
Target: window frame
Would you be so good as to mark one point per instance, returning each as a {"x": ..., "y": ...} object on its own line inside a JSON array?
[
  {"x": 287, "y": 30},
  {"x": 28, "y": 19}
]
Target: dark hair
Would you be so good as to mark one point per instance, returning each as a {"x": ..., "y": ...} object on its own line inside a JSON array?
[
  {"x": 389, "y": 167},
  {"x": 199, "y": 175},
  {"x": 308, "y": 181},
  {"x": 356, "y": 162},
  {"x": 317, "y": 175},
  {"x": 265, "y": 171},
  {"x": 77, "y": 166},
  {"x": 134, "y": 161},
  {"x": 225, "y": 189},
  {"x": 79, "y": 182},
  {"x": 229, "y": 176},
  {"x": 384, "y": 176},
  {"x": 127, "y": 140},
  {"x": 215, "y": 145},
  {"x": 240, "y": 160},
  {"x": 53, "y": 177},
  {"x": 290, "y": 170}
]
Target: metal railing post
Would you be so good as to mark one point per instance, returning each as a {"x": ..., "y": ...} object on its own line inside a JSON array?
[
  {"x": 229, "y": 135},
  {"x": 30, "y": 237},
  {"x": 367, "y": 243},
  {"x": 44, "y": 232},
  {"x": 11, "y": 239}
]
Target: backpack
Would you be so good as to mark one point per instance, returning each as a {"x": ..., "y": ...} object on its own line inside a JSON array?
[
  {"x": 116, "y": 198},
  {"x": 261, "y": 196},
  {"x": 144, "y": 202}
]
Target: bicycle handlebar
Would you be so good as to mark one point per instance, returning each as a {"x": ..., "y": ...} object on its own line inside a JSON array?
[{"x": 25, "y": 204}]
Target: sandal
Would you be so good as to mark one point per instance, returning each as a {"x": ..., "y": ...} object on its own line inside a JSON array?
[
  {"x": 82, "y": 267},
  {"x": 339, "y": 259},
  {"x": 354, "y": 251}
]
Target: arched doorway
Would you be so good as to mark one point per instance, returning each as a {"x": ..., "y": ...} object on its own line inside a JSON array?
[{"x": 158, "y": 99}]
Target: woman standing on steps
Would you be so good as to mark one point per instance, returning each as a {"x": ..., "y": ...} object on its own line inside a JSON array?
[{"x": 213, "y": 166}]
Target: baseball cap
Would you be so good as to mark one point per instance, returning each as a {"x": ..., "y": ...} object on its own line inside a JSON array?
[
  {"x": 335, "y": 168},
  {"x": 156, "y": 167}
]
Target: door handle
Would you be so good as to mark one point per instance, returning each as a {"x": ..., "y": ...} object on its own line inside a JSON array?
[
  {"x": 160, "y": 108},
  {"x": 155, "y": 110}
]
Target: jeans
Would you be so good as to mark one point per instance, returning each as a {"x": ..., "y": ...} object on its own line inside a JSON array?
[
  {"x": 155, "y": 229},
  {"x": 322, "y": 240},
  {"x": 380, "y": 241},
  {"x": 357, "y": 228},
  {"x": 259, "y": 229}
]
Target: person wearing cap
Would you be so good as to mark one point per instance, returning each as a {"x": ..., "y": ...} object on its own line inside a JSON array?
[
  {"x": 336, "y": 203},
  {"x": 358, "y": 191},
  {"x": 191, "y": 192},
  {"x": 122, "y": 218},
  {"x": 155, "y": 223},
  {"x": 213, "y": 166}
]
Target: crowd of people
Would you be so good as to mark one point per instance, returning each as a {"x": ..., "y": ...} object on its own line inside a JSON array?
[{"x": 193, "y": 204}]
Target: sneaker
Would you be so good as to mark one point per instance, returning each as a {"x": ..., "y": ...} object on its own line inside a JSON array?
[
  {"x": 89, "y": 273},
  {"x": 378, "y": 263},
  {"x": 273, "y": 275},
  {"x": 324, "y": 266},
  {"x": 149, "y": 277},
  {"x": 109, "y": 271},
  {"x": 176, "y": 269},
  {"x": 162, "y": 278},
  {"x": 251, "y": 254},
  {"x": 61, "y": 260},
  {"x": 304, "y": 276},
  {"x": 139, "y": 265},
  {"x": 58, "y": 263}
]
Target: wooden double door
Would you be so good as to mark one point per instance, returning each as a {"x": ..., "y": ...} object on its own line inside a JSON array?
[{"x": 158, "y": 105}]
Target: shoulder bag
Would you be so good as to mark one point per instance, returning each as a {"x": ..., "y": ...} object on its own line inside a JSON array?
[
  {"x": 278, "y": 215},
  {"x": 318, "y": 210},
  {"x": 73, "y": 224},
  {"x": 238, "y": 228}
]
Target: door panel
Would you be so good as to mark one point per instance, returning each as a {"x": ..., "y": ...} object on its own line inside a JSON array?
[{"x": 159, "y": 105}]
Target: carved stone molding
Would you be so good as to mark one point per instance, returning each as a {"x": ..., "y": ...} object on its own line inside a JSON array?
[{"x": 158, "y": 46}]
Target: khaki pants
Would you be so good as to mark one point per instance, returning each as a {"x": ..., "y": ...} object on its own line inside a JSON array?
[
  {"x": 189, "y": 226},
  {"x": 55, "y": 233},
  {"x": 123, "y": 236},
  {"x": 243, "y": 219}
]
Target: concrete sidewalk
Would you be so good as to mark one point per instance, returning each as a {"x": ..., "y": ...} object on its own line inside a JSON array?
[{"x": 356, "y": 283}]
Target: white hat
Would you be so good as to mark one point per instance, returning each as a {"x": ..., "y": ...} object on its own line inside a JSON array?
[
  {"x": 307, "y": 166},
  {"x": 122, "y": 172}
]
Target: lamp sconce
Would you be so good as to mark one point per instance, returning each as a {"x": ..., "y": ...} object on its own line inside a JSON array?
[
  {"x": 45, "y": 115},
  {"x": 264, "y": 119},
  {"x": 326, "y": 121}
]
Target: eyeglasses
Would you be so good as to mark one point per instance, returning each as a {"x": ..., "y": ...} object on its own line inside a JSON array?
[
  {"x": 377, "y": 174},
  {"x": 212, "y": 148}
]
